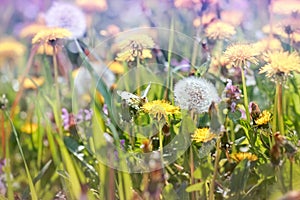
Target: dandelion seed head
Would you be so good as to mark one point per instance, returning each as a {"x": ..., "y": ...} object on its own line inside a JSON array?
[
  {"x": 195, "y": 94},
  {"x": 66, "y": 16}
]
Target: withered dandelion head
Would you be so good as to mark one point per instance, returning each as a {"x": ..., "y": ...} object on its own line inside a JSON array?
[
  {"x": 160, "y": 108},
  {"x": 243, "y": 155},
  {"x": 263, "y": 118},
  {"x": 92, "y": 5},
  {"x": 286, "y": 7},
  {"x": 50, "y": 35},
  {"x": 10, "y": 48},
  {"x": 219, "y": 30},
  {"x": 68, "y": 16},
  {"x": 135, "y": 46},
  {"x": 195, "y": 94},
  {"x": 239, "y": 54},
  {"x": 280, "y": 65},
  {"x": 203, "y": 135}
]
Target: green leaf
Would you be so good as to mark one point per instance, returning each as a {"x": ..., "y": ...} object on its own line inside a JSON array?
[
  {"x": 195, "y": 187},
  {"x": 169, "y": 192},
  {"x": 239, "y": 177}
]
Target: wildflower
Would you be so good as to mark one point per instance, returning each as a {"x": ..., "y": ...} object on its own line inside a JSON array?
[
  {"x": 203, "y": 135},
  {"x": 31, "y": 29},
  {"x": 116, "y": 67},
  {"x": 268, "y": 44},
  {"x": 239, "y": 54},
  {"x": 219, "y": 30},
  {"x": 183, "y": 65},
  {"x": 286, "y": 7},
  {"x": 280, "y": 64},
  {"x": 135, "y": 46},
  {"x": 29, "y": 128},
  {"x": 10, "y": 48},
  {"x": 67, "y": 16},
  {"x": 286, "y": 30},
  {"x": 263, "y": 118},
  {"x": 33, "y": 82},
  {"x": 50, "y": 35},
  {"x": 232, "y": 94},
  {"x": 92, "y": 5},
  {"x": 232, "y": 17},
  {"x": 243, "y": 155},
  {"x": 195, "y": 94},
  {"x": 160, "y": 108}
]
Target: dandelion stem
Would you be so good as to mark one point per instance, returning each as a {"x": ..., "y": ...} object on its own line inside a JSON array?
[
  {"x": 279, "y": 107},
  {"x": 57, "y": 95},
  {"x": 170, "y": 47},
  {"x": 291, "y": 175},
  {"x": 212, "y": 184},
  {"x": 246, "y": 103},
  {"x": 21, "y": 85}
]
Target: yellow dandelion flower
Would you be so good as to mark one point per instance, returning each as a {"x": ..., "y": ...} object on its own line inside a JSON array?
[
  {"x": 239, "y": 54},
  {"x": 280, "y": 64},
  {"x": 29, "y": 128},
  {"x": 286, "y": 7},
  {"x": 263, "y": 118},
  {"x": 203, "y": 135},
  {"x": 33, "y": 82},
  {"x": 116, "y": 67},
  {"x": 30, "y": 30},
  {"x": 50, "y": 34},
  {"x": 10, "y": 48},
  {"x": 268, "y": 45},
  {"x": 232, "y": 17},
  {"x": 219, "y": 30},
  {"x": 243, "y": 155},
  {"x": 135, "y": 46},
  {"x": 160, "y": 108},
  {"x": 92, "y": 5}
]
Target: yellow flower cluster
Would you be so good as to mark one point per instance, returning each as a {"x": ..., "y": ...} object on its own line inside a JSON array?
[
  {"x": 203, "y": 135},
  {"x": 239, "y": 54},
  {"x": 10, "y": 48},
  {"x": 219, "y": 30},
  {"x": 280, "y": 64},
  {"x": 243, "y": 155},
  {"x": 160, "y": 108},
  {"x": 263, "y": 118},
  {"x": 50, "y": 34}
]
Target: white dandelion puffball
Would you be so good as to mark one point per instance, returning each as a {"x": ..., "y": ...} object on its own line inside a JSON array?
[
  {"x": 68, "y": 16},
  {"x": 195, "y": 94}
]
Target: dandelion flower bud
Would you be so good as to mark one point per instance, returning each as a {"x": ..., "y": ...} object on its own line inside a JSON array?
[{"x": 195, "y": 94}]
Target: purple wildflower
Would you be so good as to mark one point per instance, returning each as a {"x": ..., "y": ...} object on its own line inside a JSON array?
[
  {"x": 232, "y": 94},
  {"x": 183, "y": 65}
]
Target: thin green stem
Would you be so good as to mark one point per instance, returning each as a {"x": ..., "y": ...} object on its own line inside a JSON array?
[
  {"x": 212, "y": 183},
  {"x": 170, "y": 47},
  {"x": 279, "y": 107},
  {"x": 246, "y": 103},
  {"x": 291, "y": 176},
  {"x": 57, "y": 95}
]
